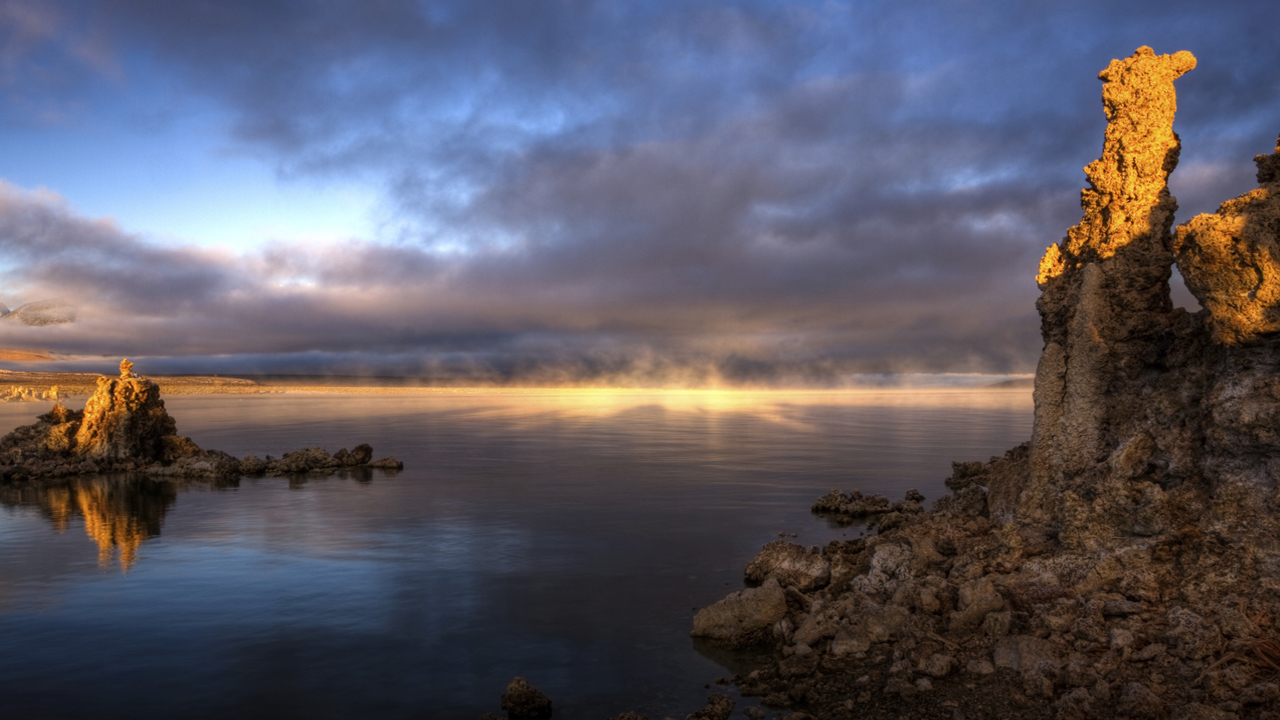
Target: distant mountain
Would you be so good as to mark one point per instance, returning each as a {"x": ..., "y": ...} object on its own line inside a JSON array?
[
  {"x": 15, "y": 355},
  {"x": 1015, "y": 383},
  {"x": 41, "y": 312}
]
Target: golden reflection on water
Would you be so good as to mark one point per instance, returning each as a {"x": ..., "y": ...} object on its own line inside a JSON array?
[
  {"x": 118, "y": 514},
  {"x": 778, "y": 406}
]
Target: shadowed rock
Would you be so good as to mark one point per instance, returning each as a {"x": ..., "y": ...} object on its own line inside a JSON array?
[
  {"x": 743, "y": 618},
  {"x": 522, "y": 701},
  {"x": 791, "y": 565},
  {"x": 719, "y": 707}
]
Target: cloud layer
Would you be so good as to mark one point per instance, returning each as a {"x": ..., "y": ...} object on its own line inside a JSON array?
[{"x": 732, "y": 188}]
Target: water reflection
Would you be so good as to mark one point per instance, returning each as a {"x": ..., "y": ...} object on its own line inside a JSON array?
[
  {"x": 564, "y": 536},
  {"x": 119, "y": 513}
]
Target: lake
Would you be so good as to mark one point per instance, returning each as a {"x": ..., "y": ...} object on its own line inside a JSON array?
[{"x": 563, "y": 536}]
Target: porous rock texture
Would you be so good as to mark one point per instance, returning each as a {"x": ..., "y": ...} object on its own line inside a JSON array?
[
  {"x": 124, "y": 427},
  {"x": 1125, "y": 562}
]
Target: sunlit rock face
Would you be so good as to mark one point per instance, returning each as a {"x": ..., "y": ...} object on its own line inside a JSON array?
[
  {"x": 1231, "y": 261},
  {"x": 1105, "y": 305},
  {"x": 1149, "y": 418},
  {"x": 124, "y": 420},
  {"x": 124, "y": 427}
]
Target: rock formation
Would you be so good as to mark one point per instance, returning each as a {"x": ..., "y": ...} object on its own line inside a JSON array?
[
  {"x": 1231, "y": 261},
  {"x": 523, "y": 701},
  {"x": 1125, "y": 562},
  {"x": 124, "y": 427},
  {"x": 1105, "y": 306}
]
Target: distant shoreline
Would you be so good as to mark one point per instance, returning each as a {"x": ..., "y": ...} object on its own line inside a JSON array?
[{"x": 72, "y": 384}]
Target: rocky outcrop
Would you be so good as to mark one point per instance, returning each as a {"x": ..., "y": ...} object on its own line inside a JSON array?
[
  {"x": 1125, "y": 562},
  {"x": 791, "y": 565},
  {"x": 18, "y": 393},
  {"x": 744, "y": 618},
  {"x": 1105, "y": 306},
  {"x": 846, "y": 508},
  {"x": 523, "y": 701},
  {"x": 1149, "y": 418},
  {"x": 1231, "y": 261},
  {"x": 124, "y": 427},
  {"x": 125, "y": 419}
]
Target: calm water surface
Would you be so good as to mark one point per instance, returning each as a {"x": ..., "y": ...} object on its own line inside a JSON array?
[{"x": 563, "y": 536}]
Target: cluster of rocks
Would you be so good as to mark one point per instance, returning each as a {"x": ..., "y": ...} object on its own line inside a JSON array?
[
  {"x": 1124, "y": 563},
  {"x": 878, "y": 510},
  {"x": 18, "y": 393},
  {"x": 950, "y": 611},
  {"x": 124, "y": 427},
  {"x": 522, "y": 701}
]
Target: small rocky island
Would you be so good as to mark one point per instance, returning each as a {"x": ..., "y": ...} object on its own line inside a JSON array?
[
  {"x": 124, "y": 428},
  {"x": 1124, "y": 563}
]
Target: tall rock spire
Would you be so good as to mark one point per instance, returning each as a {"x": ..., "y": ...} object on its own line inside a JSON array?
[{"x": 1105, "y": 304}]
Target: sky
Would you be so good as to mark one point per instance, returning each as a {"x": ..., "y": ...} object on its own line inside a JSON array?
[{"x": 548, "y": 191}]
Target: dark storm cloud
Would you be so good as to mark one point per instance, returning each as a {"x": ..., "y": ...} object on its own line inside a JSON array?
[{"x": 815, "y": 185}]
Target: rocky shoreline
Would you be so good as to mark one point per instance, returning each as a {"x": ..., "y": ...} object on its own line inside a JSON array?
[
  {"x": 1124, "y": 563},
  {"x": 125, "y": 428}
]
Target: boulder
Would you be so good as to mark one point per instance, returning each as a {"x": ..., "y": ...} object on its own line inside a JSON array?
[
  {"x": 791, "y": 565},
  {"x": 719, "y": 707},
  {"x": 1024, "y": 652},
  {"x": 523, "y": 701},
  {"x": 386, "y": 463},
  {"x": 1191, "y": 636},
  {"x": 743, "y": 618}
]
